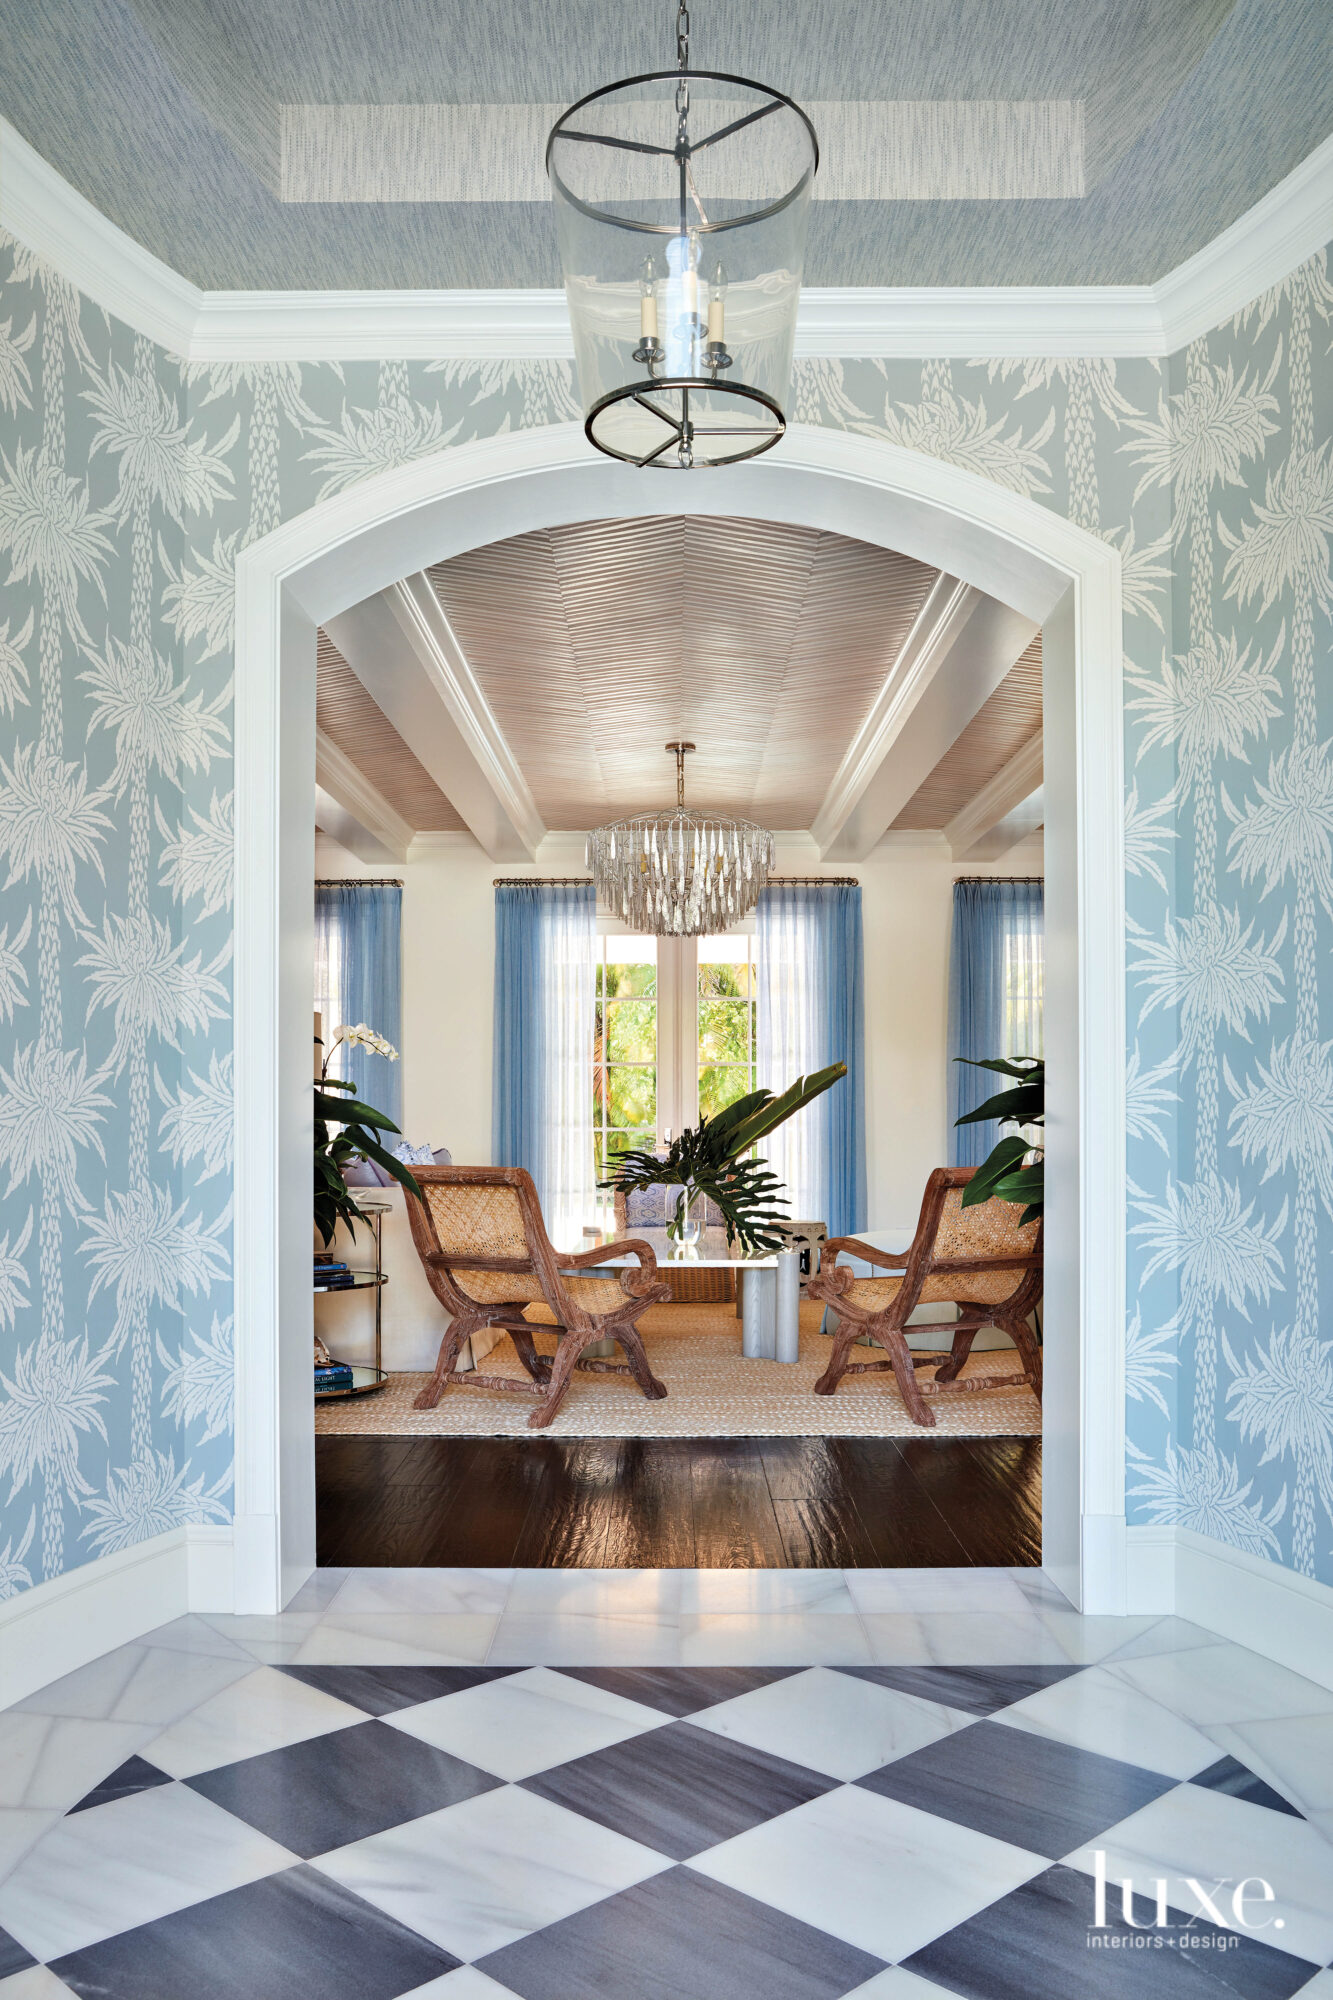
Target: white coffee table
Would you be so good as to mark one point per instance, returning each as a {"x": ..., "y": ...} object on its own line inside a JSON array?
[{"x": 771, "y": 1295}]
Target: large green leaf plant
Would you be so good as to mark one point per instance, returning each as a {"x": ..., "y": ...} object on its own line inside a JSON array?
[
  {"x": 1015, "y": 1168},
  {"x": 713, "y": 1159},
  {"x": 345, "y": 1132}
]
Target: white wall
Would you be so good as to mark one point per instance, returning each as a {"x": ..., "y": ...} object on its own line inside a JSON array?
[{"x": 448, "y": 949}]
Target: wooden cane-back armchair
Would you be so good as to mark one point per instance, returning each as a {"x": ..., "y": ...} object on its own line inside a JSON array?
[
  {"x": 481, "y": 1238},
  {"x": 981, "y": 1259}
]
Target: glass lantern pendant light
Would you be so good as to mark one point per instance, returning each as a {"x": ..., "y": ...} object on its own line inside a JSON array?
[{"x": 681, "y": 202}]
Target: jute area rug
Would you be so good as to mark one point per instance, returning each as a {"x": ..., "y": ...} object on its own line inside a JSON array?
[{"x": 712, "y": 1391}]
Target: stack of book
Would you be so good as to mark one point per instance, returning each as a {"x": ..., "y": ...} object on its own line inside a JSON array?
[
  {"x": 331, "y": 1276},
  {"x": 336, "y": 1376}
]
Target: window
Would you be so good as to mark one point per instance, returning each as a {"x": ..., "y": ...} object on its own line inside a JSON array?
[
  {"x": 727, "y": 1021},
  {"x": 624, "y": 1055}
]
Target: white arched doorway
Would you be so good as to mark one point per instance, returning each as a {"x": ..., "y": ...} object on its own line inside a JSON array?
[{"x": 360, "y": 541}]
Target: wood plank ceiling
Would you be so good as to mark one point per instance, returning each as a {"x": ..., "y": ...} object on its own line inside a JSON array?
[{"x": 596, "y": 643}]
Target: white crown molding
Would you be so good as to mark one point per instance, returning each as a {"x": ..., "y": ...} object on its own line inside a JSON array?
[
  {"x": 362, "y": 819},
  {"x": 1290, "y": 223},
  {"x": 1011, "y": 786}
]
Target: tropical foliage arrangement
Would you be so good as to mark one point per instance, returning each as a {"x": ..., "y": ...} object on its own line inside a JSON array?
[
  {"x": 710, "y": 1159},
  {"x": 345, "y": 1131},
  {"x": 1015, "y": 1168}
]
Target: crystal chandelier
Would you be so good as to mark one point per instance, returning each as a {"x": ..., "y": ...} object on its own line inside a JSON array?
[
  {"x": 681, "y": 201},
  {"x": 680, "y": 873}
]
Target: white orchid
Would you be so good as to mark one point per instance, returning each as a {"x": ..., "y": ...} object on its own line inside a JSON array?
[
  {"x": 363, "y": 1037},
  {"x": 197, "y": 1387}
]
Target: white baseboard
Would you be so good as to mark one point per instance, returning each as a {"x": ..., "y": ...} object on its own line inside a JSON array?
[
  {"x": 1286, "y": 1617},
  {"x": 58, "y": 1626}
]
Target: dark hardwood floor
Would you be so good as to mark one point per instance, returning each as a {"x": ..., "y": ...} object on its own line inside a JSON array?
[{"x": 679, "y": 1503}]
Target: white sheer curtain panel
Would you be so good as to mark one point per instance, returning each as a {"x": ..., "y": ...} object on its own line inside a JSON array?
[
  {"x": 566, "y": 1179},
  {"x": 790, "y": 1011}
]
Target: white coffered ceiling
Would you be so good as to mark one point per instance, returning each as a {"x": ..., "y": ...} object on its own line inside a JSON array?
[{"x": 830, "y": 686}]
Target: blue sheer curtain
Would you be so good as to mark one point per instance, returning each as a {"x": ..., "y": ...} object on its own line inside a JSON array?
[
  {"x": 358, "y": 977},
  {"x": 541, "y": 1077},
  {"x": 811, "y": 1013},
  {"x": 996, "y": 973}
]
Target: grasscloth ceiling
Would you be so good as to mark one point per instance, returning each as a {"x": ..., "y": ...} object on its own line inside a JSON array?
[
  {"x": 209, "y": 128},
  {"x": 361, "y": 730},
  {"x": 1000, "y": 728},
  {"x": 598, "y": 643}
]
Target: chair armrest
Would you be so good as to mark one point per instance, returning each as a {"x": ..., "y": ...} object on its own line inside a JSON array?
[
  {"x": 852, "y": 1246},
  {"x": 621, "y": 1248}
]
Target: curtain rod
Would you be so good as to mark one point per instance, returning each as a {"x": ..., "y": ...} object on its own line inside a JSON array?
[
  {"x": 358, "y": 881},
  {"x": 581, "y": 881},
  {"x": 1011, "y": 880}
]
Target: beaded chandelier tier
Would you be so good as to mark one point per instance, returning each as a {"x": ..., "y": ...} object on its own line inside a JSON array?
[
  {"x": 681, "y": 200},
  {"x": 680, "y": 873}
]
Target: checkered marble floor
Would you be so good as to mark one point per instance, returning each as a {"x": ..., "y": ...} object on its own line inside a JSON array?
[{"x": 368, "y": 1798}]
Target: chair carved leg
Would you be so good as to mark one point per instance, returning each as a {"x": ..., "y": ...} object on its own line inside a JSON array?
[
  {"x": 1029, "y": 1351},
  {"x": 900, "y": 1354},
  {"x": 950, "y": 1370},
  {"x": 537, "y": 1365},
  {"x": 837, "y": 1365},
  {"x": 457, "y": 1331},
  {"x": 562, "y": 1369},
  {"x": 632, "y": 1342}
]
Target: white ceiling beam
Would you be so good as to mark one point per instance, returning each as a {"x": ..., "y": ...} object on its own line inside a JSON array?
[
  {"x": 1007, "y": 809},
  {"x": 960, "y": 648},
  {"x": 405, "y": 653},
  {"x": 352, "y": 811}
]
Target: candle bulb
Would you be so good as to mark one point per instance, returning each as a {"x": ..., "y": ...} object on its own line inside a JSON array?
[
  {"x": 717, "y": 293},
  {"x": 648, "y": 301}
]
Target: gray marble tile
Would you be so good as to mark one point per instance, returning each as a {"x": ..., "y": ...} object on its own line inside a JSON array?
[
  {"x": 1045, "y": 1796},
  {"x": 14, "y": 1957},
  {"x": 679, "y": 1789},
  {"x": 975, "y": 1690},
  {"x": 381, "y": 1690},
  {"x": 1228, "y": 1776},
  {"x": 1033, "y": 1945},
  {"x": 296, "y": 1935},
  {"x": 681, "y": 1935},
  {"x": 680, "y": 1691},
  {"x": 330, "y": 1790},
  {"x": 136, "y": 1774}
]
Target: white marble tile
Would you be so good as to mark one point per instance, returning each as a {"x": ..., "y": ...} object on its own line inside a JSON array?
[
  {"x": 120, "y": 1865},
  {"x": 1096, "y": 1711},
  {"x": 1039, "y": 1589},
  {"x": 1165, "y": 1635},
  {"x": 192, "y": 1634},
  {"x": 960, "y": 1638},
  {"x": 606, "y": 1641},
  {"x": 873, "y": 1871},
  {"x": 318, "y": 1590},
  {"x": 1319, "y": 1988},
  {"x": 832, "y": 1723},
  {"x": 53, "y": 1760},
  {"x": 1209, "y": 1836},
  {"x": 777, "y": 1639},
  {"x": 897, "y": 1983},
  {"x": 595, "y": 1593},
  {"x": 1223, "y": 1683},
  {"x": 1323, "y": 1824},
  {"x": 1087, "y": 1640},
  {"x": 37, "y": 1983},
  {"x": 465, "y": 1984},
  {"x": 270, "y": 1640},
  {"x": 139, "y": 1684},
  {"x": 265, "y": 1711},
  {"x": 21, "y": 1827},
  {"x": 431, "y": 1590},
  {"x": 478, "y": 1875},
  {"x": 912, "y": 1590},
  {"x": 526, "y": 1723},
  {"x": 1294, "y": 1754},
  {"x": 821, "y": 1592},
  {"x": 399, "y": 1639}
]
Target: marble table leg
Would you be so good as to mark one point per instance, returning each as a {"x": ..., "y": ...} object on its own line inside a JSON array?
[
  {"x": 758, "y": 1331},
  {"x": 787, "y": 1307}
]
